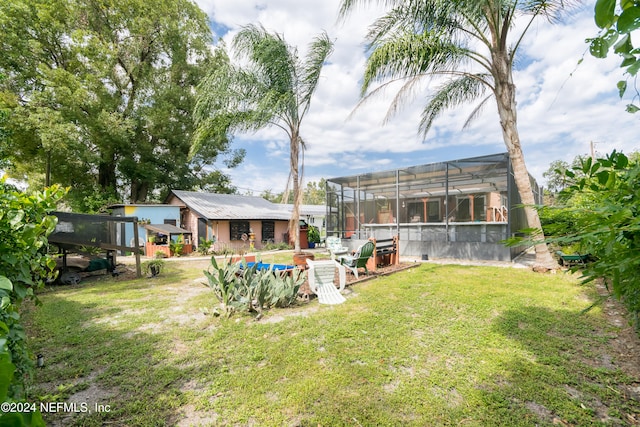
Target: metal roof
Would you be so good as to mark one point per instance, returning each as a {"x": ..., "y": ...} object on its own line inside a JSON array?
[
  {"x": 231, "y": 206},
  {"x": 311, "y": 210}
]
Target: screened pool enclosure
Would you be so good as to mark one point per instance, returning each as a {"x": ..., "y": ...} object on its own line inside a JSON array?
[{"x": 460, "y": 209}]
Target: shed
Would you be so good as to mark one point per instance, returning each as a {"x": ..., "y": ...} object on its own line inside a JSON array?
[{"x": 165, "y": 237}]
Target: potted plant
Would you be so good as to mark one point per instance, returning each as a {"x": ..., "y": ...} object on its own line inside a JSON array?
[
  {"x": 153, "y": 267},
  {"x": 313, "y": 235}
]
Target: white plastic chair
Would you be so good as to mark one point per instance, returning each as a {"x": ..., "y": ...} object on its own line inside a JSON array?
[{"x": 321, "y": 276}]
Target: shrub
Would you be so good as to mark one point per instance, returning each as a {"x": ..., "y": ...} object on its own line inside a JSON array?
[
  {"x": 282, "y": 246},
  {"x": 25, "y": 266},
  {"x": 205, "y": 246},
  {"x": 608, "y": 226},
  {"x": 176, "y": 246},
  {"x": 313, "y": 235}
]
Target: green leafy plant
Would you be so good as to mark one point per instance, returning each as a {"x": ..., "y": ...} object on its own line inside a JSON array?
[
  {"x": 205, "y": 245},
  {"x": 222, "y": 280},
  {"x": 617, "y": 20},
  {"x": 284, "y": 290},
  {"x": 313, "y": 234},
  {"x": 282, "y": 246},
  {"x": 608, "y": 226},
  {"x": 176, "y": 246},
  {"x": 25, "y": 266},
  {"x": 153, "y": 267}
]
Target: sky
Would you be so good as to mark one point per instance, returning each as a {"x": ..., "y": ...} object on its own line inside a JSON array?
[{"x": 567, "y": 101}]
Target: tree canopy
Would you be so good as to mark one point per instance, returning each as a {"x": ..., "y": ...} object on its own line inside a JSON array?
[
  {"x": 314, "y": 193},
  {"x": 100, "y": 96}
]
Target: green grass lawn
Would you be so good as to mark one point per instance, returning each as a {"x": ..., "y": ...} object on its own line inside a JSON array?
[{"x": 429, "y": 346}]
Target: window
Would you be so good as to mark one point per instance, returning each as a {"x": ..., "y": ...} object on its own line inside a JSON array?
[
  {"x": 471, "y": 208},
  {"x": 434, "y": 213},
  {"x": 479, "y": 208},
  {"x": 268, "y": 231},
  {"x": 415, "y": 211},
  {"x": 463, "y": 209},
  {"x": 237, "y": 229},
  {"x": 171, "y": 221}
]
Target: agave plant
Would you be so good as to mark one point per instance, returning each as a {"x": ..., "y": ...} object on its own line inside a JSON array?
[
  {"x": 285, "y": 288},
  {"x": 222, "y": 280},
  {"x": 241, "y": 288}
]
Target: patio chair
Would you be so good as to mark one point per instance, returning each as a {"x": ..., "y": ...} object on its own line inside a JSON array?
[
  {"x": 321, "y": 276},
  {"x": 334, "y": 245},
  {"x": 359, "y": 259}
]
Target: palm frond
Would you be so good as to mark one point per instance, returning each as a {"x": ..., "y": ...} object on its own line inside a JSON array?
[
  {"x": 454, "y": 92},
  {"x": 552, "y": 10},
  {"x": 411, "y": 55},
  {"x": 270, "y": 57},
  {"x": 349, "y": 5},
  {"x": 476, "y": 112},
  {"x": 319, "y": 50}
]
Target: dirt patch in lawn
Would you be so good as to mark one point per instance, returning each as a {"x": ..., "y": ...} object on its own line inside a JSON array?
[{"x": 625, "y": 346}]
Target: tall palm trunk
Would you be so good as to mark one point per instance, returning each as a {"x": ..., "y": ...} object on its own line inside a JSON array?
[
  {"x": 294, "y": 222},
  {"x": 506, "y": 100}
]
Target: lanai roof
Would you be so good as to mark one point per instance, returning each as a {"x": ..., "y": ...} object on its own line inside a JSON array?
[{"x": 455, "y": 176}]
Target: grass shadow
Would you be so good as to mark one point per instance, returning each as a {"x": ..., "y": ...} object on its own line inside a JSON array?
[{"x": 565, "y": 373}]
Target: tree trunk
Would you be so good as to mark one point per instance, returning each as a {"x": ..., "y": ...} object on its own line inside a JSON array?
[
  {"x": 505, "y": 98},
  {"x": 107, "y": 173},
  {"x": 139, "y": 191},
  {"x": 294, "y": 223}
]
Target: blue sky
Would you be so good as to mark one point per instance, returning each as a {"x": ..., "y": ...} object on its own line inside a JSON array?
[{"x": 564, "y": 103}]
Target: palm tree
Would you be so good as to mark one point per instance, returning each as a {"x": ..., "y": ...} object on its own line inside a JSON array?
[
  {"x": 466, "y": 45},
  {"x": 271, "y": 87}
]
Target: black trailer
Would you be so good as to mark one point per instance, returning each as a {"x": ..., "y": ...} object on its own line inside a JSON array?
[{"x": 75, "y": 231}]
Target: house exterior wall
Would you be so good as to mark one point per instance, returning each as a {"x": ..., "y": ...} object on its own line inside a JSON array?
[
  {"x": 222, "y": 231},
  {"x": 190, "y": 222}
]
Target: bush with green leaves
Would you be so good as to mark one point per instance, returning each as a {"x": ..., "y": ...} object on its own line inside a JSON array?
[
  {"x": 282, "y": 246},
  {"x": 24, "y": 267},
  {"x": 239, "y": 287},
  {"x": 607, "y": 226},
  {"x": 176, "y": 246},
  {"x": 205, "y": 245},
  {"x": 313, "y": 235}
]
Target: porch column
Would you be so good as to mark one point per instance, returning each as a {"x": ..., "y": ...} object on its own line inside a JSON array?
[{"x": 424, "y": 202}]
